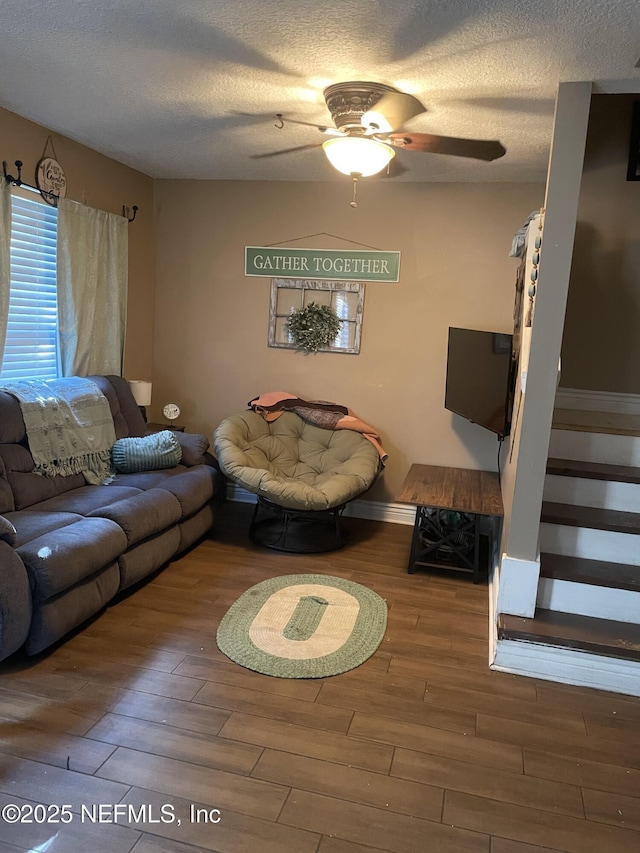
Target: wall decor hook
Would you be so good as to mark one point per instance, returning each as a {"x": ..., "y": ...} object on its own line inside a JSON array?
[
  {"x": 15, "y": 181},
  {"x": 125, "y": 212}
]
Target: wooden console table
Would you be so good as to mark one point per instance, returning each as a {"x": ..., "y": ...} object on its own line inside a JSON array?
[{"x": 458, "y": 490}]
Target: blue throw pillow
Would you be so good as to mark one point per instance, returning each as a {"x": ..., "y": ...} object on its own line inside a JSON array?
[{"x": 147, "y": 453}]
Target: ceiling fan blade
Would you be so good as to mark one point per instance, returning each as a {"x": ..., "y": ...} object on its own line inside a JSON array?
[
  {"x": 392, "y": 111},
  {"x": 323, "y": 128},
  {"x": 285, "y": 151},
  {"x": 480, "y": 149}
]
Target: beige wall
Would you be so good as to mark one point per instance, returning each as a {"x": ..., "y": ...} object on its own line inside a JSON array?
[
  {"x": 211, "y": 353},
  {"x": 105, "y": 184},
  {"x": 601, "y": 345}
]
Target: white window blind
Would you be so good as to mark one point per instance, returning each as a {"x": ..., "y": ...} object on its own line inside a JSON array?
[{"x": 31, "y": 349}]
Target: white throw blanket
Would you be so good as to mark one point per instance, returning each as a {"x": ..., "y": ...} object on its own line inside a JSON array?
[{"x": 69, "y": 426}]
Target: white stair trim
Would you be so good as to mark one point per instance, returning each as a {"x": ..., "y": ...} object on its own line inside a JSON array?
[
  {"x": 568, "y": 666},
  {"x": 595, "y": 447},
  {"x": 608, "y": 545},
  {"x": 598, "y": 401},
  {"x": 585, "y": 491},
  {"x": 518, "y": 585},
  {"x": 395, "y": 513},
  {"x": 584, "y": 599}
]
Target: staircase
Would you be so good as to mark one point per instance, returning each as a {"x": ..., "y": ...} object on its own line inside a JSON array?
[{"x": 588, "y": 600}]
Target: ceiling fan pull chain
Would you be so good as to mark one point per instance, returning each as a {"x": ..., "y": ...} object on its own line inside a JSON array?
[{"x": 354, "y": 203}]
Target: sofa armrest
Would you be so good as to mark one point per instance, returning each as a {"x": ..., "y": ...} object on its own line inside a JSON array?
[
  {"x": 7, "y": 531},
  {"x": 15, "y": 601},
  {"x": 194, "y": 448}
]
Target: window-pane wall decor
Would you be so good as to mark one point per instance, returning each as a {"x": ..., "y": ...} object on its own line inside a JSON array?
[{"x": 346, "y": 298}]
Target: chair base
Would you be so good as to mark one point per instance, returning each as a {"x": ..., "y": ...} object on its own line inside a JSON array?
[{"x": 296, "y": 531}]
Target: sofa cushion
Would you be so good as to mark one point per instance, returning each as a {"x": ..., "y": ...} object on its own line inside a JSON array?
[
  {"x": 142, "y": 515},
  {"x": 7, "y": 503},
  {"x": 146, "y": 453},
  {"x": 194, "y": 446},
  {"x": 193, "y": 488},
  {"x": 12, "y": 429},
  {"x": 60, "y": 558},
  {"x": 86, "y": 499},
  {"x": 30, "y": 524},
  {"x": 127, "y": 418},
  {"x": 27, "y": 487}
]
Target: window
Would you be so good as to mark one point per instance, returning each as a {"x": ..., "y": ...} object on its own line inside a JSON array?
[
  {"x": 31, "y": 348},
  {"x": 345, "y": 297}
]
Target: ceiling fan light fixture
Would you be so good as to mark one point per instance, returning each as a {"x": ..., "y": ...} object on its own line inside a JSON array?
[{"x": 357, "y": 155}]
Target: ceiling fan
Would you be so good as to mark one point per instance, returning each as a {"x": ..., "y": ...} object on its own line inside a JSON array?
[{"x": 368, "y": 123}]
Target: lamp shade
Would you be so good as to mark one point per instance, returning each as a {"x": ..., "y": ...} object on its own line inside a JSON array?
[
  {"x": 141, "y": 391},
  {"x": 357, "y": 155}
]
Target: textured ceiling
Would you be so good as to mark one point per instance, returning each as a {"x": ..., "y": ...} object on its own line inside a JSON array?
[{"x": 190, "y": 88}]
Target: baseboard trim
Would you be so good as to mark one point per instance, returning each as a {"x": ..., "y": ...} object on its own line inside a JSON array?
[
  {"x": 567, "y": 666},
  {"x": 598, "y": 401},
  {"x": 370, "y": 510}
]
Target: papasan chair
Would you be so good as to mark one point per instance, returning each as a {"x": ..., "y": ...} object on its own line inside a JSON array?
[{"x": 303, "y": 474}]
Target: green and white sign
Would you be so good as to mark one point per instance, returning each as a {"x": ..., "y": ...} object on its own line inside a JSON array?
[{"x": 332, "y": 264}]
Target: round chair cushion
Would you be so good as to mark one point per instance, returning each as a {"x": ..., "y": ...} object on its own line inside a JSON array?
[{"x": 295, "y": 464}]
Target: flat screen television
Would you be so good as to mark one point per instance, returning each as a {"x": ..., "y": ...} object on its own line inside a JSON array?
[{"x": 480, "y": 375}]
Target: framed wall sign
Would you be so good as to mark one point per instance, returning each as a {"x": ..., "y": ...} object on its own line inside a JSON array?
[{"x": 51, "y": 180}]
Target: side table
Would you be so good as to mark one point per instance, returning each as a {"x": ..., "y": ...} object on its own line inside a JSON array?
[{"x": 473, "y": 494}]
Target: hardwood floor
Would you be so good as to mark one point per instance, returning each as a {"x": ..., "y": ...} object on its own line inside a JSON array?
[{"x": 157, "y": 743}]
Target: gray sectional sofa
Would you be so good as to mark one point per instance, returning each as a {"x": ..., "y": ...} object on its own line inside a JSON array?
[{"x": 68, "y": 548}]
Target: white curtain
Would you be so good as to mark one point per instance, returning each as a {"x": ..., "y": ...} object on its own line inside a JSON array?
[
  {"x": 92, "y": 289},
  {"x": 5, "y": 260}
]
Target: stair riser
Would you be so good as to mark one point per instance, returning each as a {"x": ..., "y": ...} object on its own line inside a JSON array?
[
  {"x": 588, "y": 600},
  {"x": 592, "y": 544},
  {"x": 604, "y": 494},
  {"x": 595, "y": 447}
]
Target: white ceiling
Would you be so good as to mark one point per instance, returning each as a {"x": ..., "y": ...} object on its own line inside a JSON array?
[{"x": 190, "y": 88}]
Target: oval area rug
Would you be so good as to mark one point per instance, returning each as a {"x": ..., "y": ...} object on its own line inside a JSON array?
[{"x": 303, "y": 626}]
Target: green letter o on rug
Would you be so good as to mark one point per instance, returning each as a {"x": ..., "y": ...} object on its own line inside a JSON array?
[{"x": 303, "y": 626}]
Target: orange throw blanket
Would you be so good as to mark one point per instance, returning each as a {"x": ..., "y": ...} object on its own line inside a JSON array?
[{"x": 318, "y": 413}]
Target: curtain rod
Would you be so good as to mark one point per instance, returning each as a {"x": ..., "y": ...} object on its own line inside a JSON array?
[{"x": 18, "y": 182}]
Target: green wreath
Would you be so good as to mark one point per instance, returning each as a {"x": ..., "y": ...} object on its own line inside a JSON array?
[{"x": 313, "y": 327}]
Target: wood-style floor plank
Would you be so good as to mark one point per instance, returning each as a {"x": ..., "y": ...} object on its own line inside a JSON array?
[
  {"x": 204, "y": 784},
  {"x": 350, "y": 783},
  {"x": 582, "y": 772},
  {"x": 299, "y": 740},
  {"x": 376, "y": 827},
  {"x": 435, "y": 741},
  {"x": 171, "y": 742},
  {"x": 502, "y": 785},
  {"x": 422, "y": 748},
  {"x": 573, "y": 835}
]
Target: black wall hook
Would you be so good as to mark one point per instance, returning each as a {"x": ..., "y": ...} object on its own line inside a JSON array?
[
  {"x": 15, "y": 181},
  {"x": 125, "y": 212}
]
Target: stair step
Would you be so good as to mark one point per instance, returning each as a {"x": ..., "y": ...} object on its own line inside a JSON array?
[
  {"x": 590, "y": 517},
  {"x": 611, "y": 448},
  {"x": 572, "y": 631},
  {"x": 594, "y": 572},
  {"x": 593, "y": 470},
  {"x": 609, "y": 423}
]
